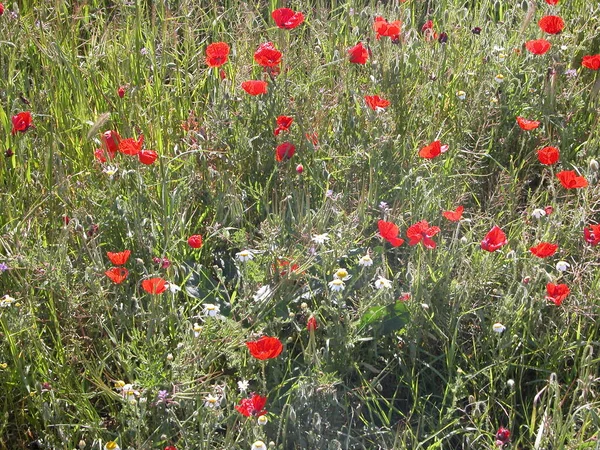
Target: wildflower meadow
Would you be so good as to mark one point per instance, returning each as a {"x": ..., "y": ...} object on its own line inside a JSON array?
[{"x": 312, "y": 224}]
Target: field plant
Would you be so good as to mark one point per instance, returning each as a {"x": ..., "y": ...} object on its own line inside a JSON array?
[{"x": 339, "y": 225}]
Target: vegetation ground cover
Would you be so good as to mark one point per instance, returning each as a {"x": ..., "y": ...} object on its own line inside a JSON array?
[{"x": 342, "y": 225}]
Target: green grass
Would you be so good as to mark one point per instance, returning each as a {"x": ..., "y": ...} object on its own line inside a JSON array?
[{"x": 377, "y": 372}]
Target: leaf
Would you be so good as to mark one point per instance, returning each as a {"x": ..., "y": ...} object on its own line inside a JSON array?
[{"x": 385, "y": 319}]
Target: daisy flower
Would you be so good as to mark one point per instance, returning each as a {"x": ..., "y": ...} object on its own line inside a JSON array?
[
  {"x": 382, "y": 283},
  {"x": 320, "y": 238},
  {"x": 336, "y": 285},
  {"x": 365, "y": 261},
  {"x": 245, "y": 255}
]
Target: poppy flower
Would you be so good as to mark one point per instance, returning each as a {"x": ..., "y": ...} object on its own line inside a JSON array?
[
  {"x": 195, "y": 241},
  {"x": 287, "y": 18},
  {"x": 285, "y": 151},
  {"x": 548, "y": 155},
  {"x": 299, "y": 169},
  {"x": 551, "y": 24},
  {"x": 494, "y": 240},
  {"x": 358, "y": 54},
  {"x": 592, "y": 235},
  {"x": 454, "y": 216},
  {"x": 591, "y": 62},
  {"x": 570, "y": 180},
  {"x": 552, "y": 2},
  {"x": 384, "y": 28},
  {"x": 431, "y": 151},
  {"x": 154, "y": 285},
  {"x": 21, "y": 122},
  {"x": 283, "y": 124},
  {"x": 110, "y": 141},
  {"x": 121, "y": 91},
  {"x": 389, "y": 231},
  {"x": 427, "y": 26},
  {"x": 117, "y": 274},
  {"x": 313, "y": 138},
  {"x": 284, "y": 263},
  {"x": 130, "y": 146},
  {"x": 120, "y": 258},
  {"x": 255, "y": 87},
  {"x": 544, "y": 249},
  {"x": 443, "y": 38},
  {"x": 267, "y": 55},
  {"x": 217, "y": 54},
  {"x": 147, "y": 157},
  {"x": 538, "y": 47},
  {"x": 265, "y": 348},
  {"x": 526, "y": 124},
  {"x": 376, "y": 103},
  {"x": 557, "y": 293},
  {"x": 101, "y": 155},
  {"x": 311, "y": 324},
  {"x": 502, "y": 436},
  {"x": 1, "y": 9},
  {"x": 422, "y": 232},
  {"x": 253, "y": 406}
]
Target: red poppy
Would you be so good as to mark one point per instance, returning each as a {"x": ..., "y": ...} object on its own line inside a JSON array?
[
  {"x": 283, "y": 124},
  {"x": 384, "y": 28},
  {"x": 591, "y": 62},
  {"x": 217, "y": 54},
  {"x": 253, "y": 406},
  {"x": 544, "y": 249},
  {"x": 110, "y": 141},
  {"x": 311, "y": 324},
  {"x": 195, "y": 241},
  {"x": 551, "y": 24},
  {"x": 549, "y": 210},
  {"x": 267, "y": 55},
  {"x": 552, "y": 2},
  {"x": 121, "y": 91},
  {"x": 375, "y": 102},
  {"x": 494, "y": 240},
  {"x": 502, "y": 436},
  {"x": 286, "y": 18},
  {"x": 427, "y": 26},
  {"x": 422, "y": 232},
  {"x": 389, "y": 231},
  {"x": 557, "y": 293},
  {"x": 265, "y": 348},
  {"x": 117, "y": 274},
  {"x": 1, "y": 9},
  {"x": 538, "y": 47},
  {"x": 570, "y": 180},
  {"x": 154, "y": 285},
  {"x": 358, "y": 54},
  {"x": 101, "y": 155},
  {"x": 548, "y": 155},
  {"x": 120, "y": 258},
  {"x": 454, "y": 216},
  {"x": 313, "y": 138},
  {"x": 255, "y": 87},
  {"x": 431, "y": 151},
  {"x": 284, "y": 263},
  {"x": 170, "y": 447},
  {"x": 21, "y": 122},
  {"x": 285, "y": 151},
  {"x": 592, "y": 235},
  {"x": 526, "y": 124},
  {"x": 299, "y": 169},
  {"x": 147, "y": 157},
  {"x": 130, "y": 146}
]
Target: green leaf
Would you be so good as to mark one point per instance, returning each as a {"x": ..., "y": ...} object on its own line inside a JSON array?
[{"x": 385, "y": 319}]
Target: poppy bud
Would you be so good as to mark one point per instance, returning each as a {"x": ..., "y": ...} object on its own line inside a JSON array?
[
  {"x": 121, "y": 91},
  {"x": 299, "y": 169},
  {"x": 195, "y": 241},
  {"x": 312, "y": 324},
  {"x": 594, "y": 166},
  {"x": 443, "y": 38},
  {"x": 476, "y": 30},
  {"x": 1, "y": 9},
  {"x": 9, "y": 153}
]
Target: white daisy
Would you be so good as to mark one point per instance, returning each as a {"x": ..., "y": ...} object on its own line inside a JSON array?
[
  {"x": 498, "y": 328},
  {"x": 365, "y": 261},
  {"x": 259, "y": 445},
  {"x": 243, "y": 385},
  {"x": 212, "y": 402},
  {"x": 562, "y": 266},
  {"x": 320, "y": 238},
  {"x": 197, "y": 330},
  {"x": 342, "y": 274},
  {"x": 211, "y": 310},
  {"x": 263, "y": 293},
  {"x": 262, "y": 420},
  {"x": 336, "y": 285},
  {"x": 6, "y": 301},
  {"x": 245, "y": 255},
  {"x": 382, "y": 282},
  {"x": 461, "y": 95},
  {"x": 111, "y": 445},
  {"x": 538, "y": 213}
]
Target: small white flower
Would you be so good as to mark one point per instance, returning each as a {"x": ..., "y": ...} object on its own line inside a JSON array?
[
  {"x": 538, "y": 213},
  {"x": 320, "y": 238},
  {"x": 243, "y": 385},
  {"x": 197, "y": 330},
  {"x": 497, "y": 48},
  {"x": 259, "y": 445},
  {"x": 493, "y": 100},
  {"x": 594, "y": 166},
  {"x": 336, "y": 285},
  {"x": 6, "y": 301},
  {"x": 245, "y": 255},
  {"x": 365, "y": 261},
  {"x": 501, "y": 57},
  {"x": 498, "y": 328},
  {"x": 382, "y": 282},
  {"x": 263, "y": 293},
  {"x": 211, "y": 310},
  {"x": 499, "y": 78},
  {"x": 212, "y": 402},
  {"x": 262, "y": 420},
  {"x": 461, "y": 95},
  {"x": 111, "y": 171},
  {"x": 425, "y": 306},
  {"x": 111, "y": 445},
  {"x": 511, "y": 384},
  {"x": 342, "y": 274},
  {"x": 170, "y": 357},
  {"x": 562, "y": 266},
  {"x": 173, "y": 287}
]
